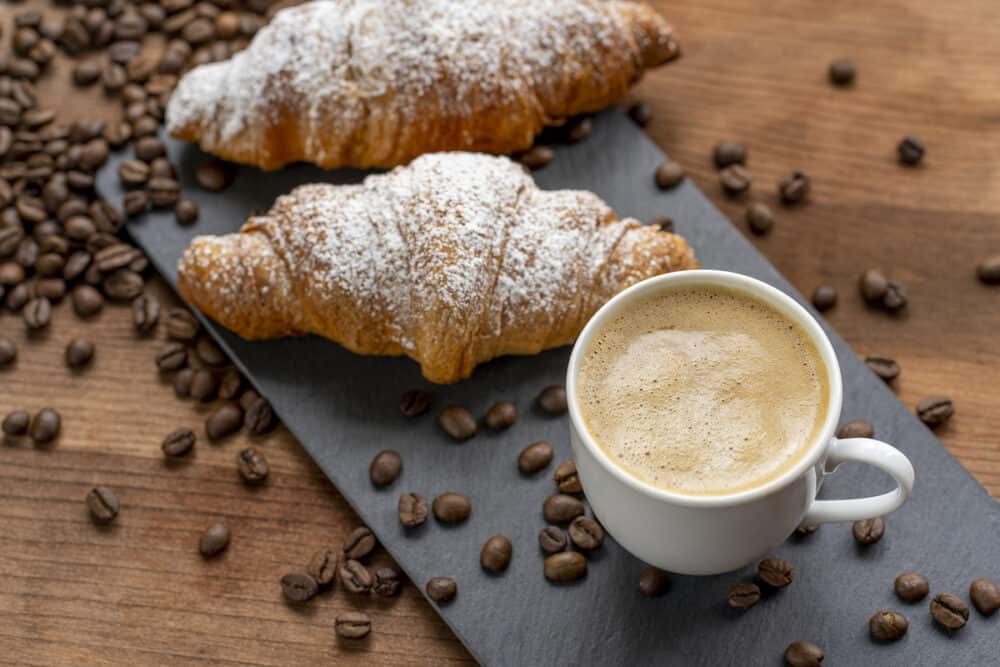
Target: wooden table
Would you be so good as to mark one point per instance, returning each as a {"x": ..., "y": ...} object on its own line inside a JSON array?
[{"x": 139, "y": 593}]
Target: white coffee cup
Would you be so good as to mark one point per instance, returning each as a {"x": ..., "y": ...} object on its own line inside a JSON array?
[{"x": 714, "y": 534}]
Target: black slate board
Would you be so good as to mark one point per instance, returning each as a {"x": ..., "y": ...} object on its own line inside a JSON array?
[{"x": 343, "y": 408}]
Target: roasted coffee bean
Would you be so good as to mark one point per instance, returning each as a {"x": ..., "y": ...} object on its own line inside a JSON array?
[
  {"x": 171, "y": 358},
  {"x": 114, "y": 78},
  {"x": 79, "y": 180},
  {"x": 561, "y": 508},
  {"x": 988, "y": 270},
  {"x": 123, "y": 285},
  {"x": 896, "y": 296},
  {"x": 359, "y": 543},
  {"x": 775, "y": 572},
  {"x": 566, "y": 478},
  {"x": 586, "y": 533},
  {"x": 186, "y": 212},
  {"x": 910, "y": 151},
  {"x": 10, "y": 238},
  {"x": 87, "y": 301},
  {"x": 198, "y": 31},
  {"x": 117, "y": 134},
  {"x": 259, "y": 418},
  {"x": 552, "y": 399},
  {"x": 230, "y": 385},
  {"x": 537, "y": 157},
  {"x": 135, "y": 202},
  {"x": 8, "y": 352},
  {"x": 842, "y": 72},
  {"x": 496, "y": 553},
  {"x": 178, "y": 443},
  {"x": 18, "y": 296},
  {"x": 183, "y": 382},
  {"x": 728, "y": 153},
  {"x": 760, "y": 219},
  {"x": 103, "y": 504},
  {"x": 884, "y": 367},
  {"x": 534, "y": 457},
  {"x": 227, "y": 25},
  {"x": 93, "y": 154},
  {"x": 794, "y": 188},
  {"x": 163, "y": 192},
  {"x": 806, "y": 529},
  {"x": 824, "y": 298},
  {"x": 161, "y": 167},
  {"x": 352, "y": 625},
  {"x": 148, "y": 149},
  {"x": 79, "y": 352},
  {"x": 298, "y": 587},
  {"x": 803, "y": 654},
  {"x": 887, "y": 626},
  {"x": 458, "y": 422},
  {"x": 385, "y": 467},
  {"x": 354, "y": 577},
  {"x": 225, "y": 420},
  {"x": 209, "y": 351},
  {"x": 653, "y": 582},
  {"x": 743, "y": 596},
  {"x": 11, "y": 273},
  {"x": 451, "y": 507},
  {"x": 79, "y": 228},
  {"x": 415, "y": 402},
  {"x": 145, "y": 313},
  {"x": 669, "y": 175},
  {"x": 28, "y": 250},
  {"x": 53, "y": 289},
  {"x": 49, "y": 264},
  {"x": 935, "y": 410},
  {"x": 985, "y": 596},
  {"x": 182, "y": 325},
  {"x": 213, "y": 175},
  {"x": 16, "y": 423},
  {"x": 858, "y": 428},
  {"x": 37, "y": 313},
  {"x": 735, "y": 180},
  {"x": 133, "y": 172},
  {"x": 874, "y": 286},
  {"x": 552, "y": 539},
  {"x": 565, "y": 566},
  {"x": 442, "y": 589},
  {"x": 501, "y": 416},
  {"x": 115, "y": 256},
  {"x": 949, "y": 611},
  {"x": 911, "y": 586},
  {"x": 388, "y": 582},
  {"x": 578, "y": 129},
  {"x": 323, "y": 567},
  {"x": 86, "y": 73},
  {"x": 412, "y": 510},
  {"x": 214, "y": 541},
  {"x": 252, "y": 466},
  {"x": 640, "y": 114},
  {"x": 45, "y": 426}
]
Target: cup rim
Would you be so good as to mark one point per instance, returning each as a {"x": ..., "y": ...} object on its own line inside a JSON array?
[{"x": 747, "y": 285}]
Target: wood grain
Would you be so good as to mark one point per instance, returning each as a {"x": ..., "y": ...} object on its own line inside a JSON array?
[{"x": 138, "y": 592}]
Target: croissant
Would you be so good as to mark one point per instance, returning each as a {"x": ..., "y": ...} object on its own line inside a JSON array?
[{"x": 376, "y": 83}]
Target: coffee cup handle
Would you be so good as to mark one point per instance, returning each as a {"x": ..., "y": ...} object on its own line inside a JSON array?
[{"x": 873, "y": 452}]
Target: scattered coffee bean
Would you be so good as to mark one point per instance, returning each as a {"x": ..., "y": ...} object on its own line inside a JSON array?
[
  {"x": 586, "y": 533},
  {"x": 868, "y": 531},
  {"x": 186, "y": 212},
  {"x": 37, "y": 313},
  {"x": 298, "y": 587},
  {"x": 412, "y": 510},
  {"x": 163, "y": 192},
  {"x": 640, "y": 113},
  {"x": 858, "y": 428},
  {"x": 442, "y": 589},
  {"x": 451, "y": 507},
  {"x": 145, "y": 313},
  {"x": 86, "y": 73},
  {"x": 171, "y": 358},
  {"x": 949, "y": 611},
  {"x": 252, "y": 465},
  {"x": 552, "y": 400},
  {"x": 209, "y": 351},
  {"x": 566, "y": 478},
  {"x": 743, "y": 596},
  {"x": 415, "y": 402},
  {"x": 388, "y": 582},
  {"x": 552, "y": 539},
  {"x": 536, "y": 157},
  {"x": 496, "y": 553},
  {"x": 385, "y": 467},
  {"x": 148, "y": 149},
  {"x": 45, "y": 426},
  {"x": 352, "y": 625},
  {"x": 8, "y": 352},
  {"x": 79, "y": 353},
  {"x": 842, "y": 72},
  {"x": 794, "y": 188},
  {"x": 884, "y": 367},
  {"x": 727, "y": 153},
  {"x": 910, "y": 151},
  {"x": 561, "y": 508},
  {"x": 135, "y": 203},
  {"x": 896, "y": 296},
  {"x": 133, "y": 172},
  {"x": 578, "y": 129},
  {"x": 669, "y": 175},
  {"x": 874, "y": 286},
  {"x": 103, "y": 504},
  {"x": 501, "y": 416},
  {"x": 359, "y": 543},
  {"x": 653, "y": 582},
  {"x": 458, "y": 422},
  {"x": 775, "y": 572},
  {"x": 565, "y": 566},
  {"x": 213, "y": 175},
  {"x": 178, "y": 443},
  {"x": 202, "y": 385},
  {"x": 988, "y": 270},
  {"x": 225, "y": 420},
  {"x": 230, "y": 385},
  {"x": 806, "y": 529},
  {"x": 259, "y": 418},
  {"x": 985, "y": 596},
  {"x": 735, "y": 180},
  {"x": 935, "y": 410},
  {"x": 214, "y": 541},
  {"x": 322, "y": 567},
  {"x": 803, "y": 654},
  {"x": 824, "y": 298},
  {"x": 16, "y": 423},
  {"x": 182, "y": 325},
  {"x": 534, "y": 457},
  {"x": 760, "y": 219},
  {"x": 354, "y": 577},
  {"x": 911, "y": 586}
]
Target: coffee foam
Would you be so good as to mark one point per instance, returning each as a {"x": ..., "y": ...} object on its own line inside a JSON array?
[{"x": 702, "y": 391}]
